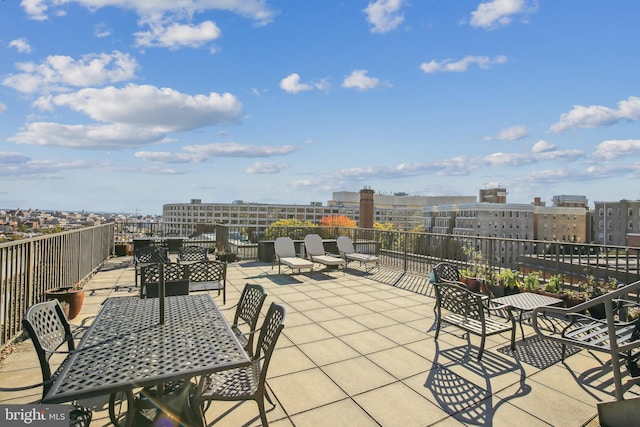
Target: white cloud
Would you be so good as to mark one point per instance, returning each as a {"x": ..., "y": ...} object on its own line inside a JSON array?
[
  {"x": 266, "y": 168},
  {"x": 613, "y": 149},
  {"x": 36, "y": 9},
  {"x": 462, "y": 65},
  {"x": 358, "y": 79},
  {"x": 596, "y": 115},
  {"x": 58, "y": 73},
  {"x": 542, "y": 146},
  {"x": 91, "y": 137},
  {"x": 513, "y": 133},
  {"x": 257, "y": 10},
  {"x": 101, "y": 30},
  {"x": 498, "y": 13},
  {"x": 206, "y": 152},
  {"x": 3, "y": 108},
  {"x": 292, "y": 84},
  {"x": 21, "y": 45},
  {"x": 176, "y": 35},
  {"x": 7, "y": 158},
  {"x": 135, "y": 116},
  {"x": 146, "y": 106},
  {"x": 384, "y": 15}
]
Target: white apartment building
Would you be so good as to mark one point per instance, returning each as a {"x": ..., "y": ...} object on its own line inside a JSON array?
[{"x": 405, "y": 212}]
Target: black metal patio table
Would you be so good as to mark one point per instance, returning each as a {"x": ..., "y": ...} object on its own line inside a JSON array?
[
  {"x": 525, "y": 302},
  {"x": 127, "y": 347}
]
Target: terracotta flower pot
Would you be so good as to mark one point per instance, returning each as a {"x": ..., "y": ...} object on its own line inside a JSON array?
[{"x": 74, "y": 297}]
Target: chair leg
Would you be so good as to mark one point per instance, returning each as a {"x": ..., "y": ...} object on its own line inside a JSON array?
[
  {"x": 263, "y": 413},
  {"x": 481, "y": 348}
]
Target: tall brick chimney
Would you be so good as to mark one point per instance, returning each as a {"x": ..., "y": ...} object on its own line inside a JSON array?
[{"x": 366, "y": 208}]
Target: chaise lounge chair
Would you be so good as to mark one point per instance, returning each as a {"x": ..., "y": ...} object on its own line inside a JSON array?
[
  {"x": 315, "y": 252},
  {"x": 286, "y": 254},
  {"x": 345, "y": 246}
]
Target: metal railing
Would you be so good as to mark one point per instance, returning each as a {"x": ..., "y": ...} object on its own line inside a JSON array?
[{"x": 29, "y": 267}]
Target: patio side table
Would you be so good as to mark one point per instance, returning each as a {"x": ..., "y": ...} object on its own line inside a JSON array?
[{"x": 525, "y": 302}]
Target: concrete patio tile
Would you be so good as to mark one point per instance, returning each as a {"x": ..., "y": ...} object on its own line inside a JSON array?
[
  {"x": 293, "y": 297},
  {"x": 424, "y": 348},
  {"x": 305, "y": 333},
  {"x": 367, "y": 342},
  {"x": 328, "y": 351},
  {"x": 403, "y": 301},
  {"x": 378, "y": 306},
  {"x": 288, "y": 360},
  {"x": 319, "y": 293},
  {"x": 403, "y": 315},
  {"x": 358, "y": 375},
  {"x": 343, "y": 413},
  {"x": 334, "y": 301},
  {"x": 323, "y": 314},
  {"x": 398, "y": 405},
  {"x": 447, "y": 390},
  {"x": 550, "y": 405},
  {"x": 305, "y": 390},
  {"x": 401, "y": 334},
  {"x": 351, "y": 310},
  {"x": 295, "y": 318},
  {"x": 400, "y": 362},
  {"x": 360, "y": 298},
  {"x": 306, "y": 305},
  {"x": 342, "y": 326},
  {"x": 244, "y": 414},
  {"x": 374, "y": 320}
]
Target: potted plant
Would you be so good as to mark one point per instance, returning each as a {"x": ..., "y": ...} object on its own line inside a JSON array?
[
  {"x": 226, "y": 256},
  {"x": 595, "y": 289},
  {"x": 633, "y": 313},
  {"x": 72, "y": 295},
  {"x": 531, "y": 282},
  {"x": 509, "y": 280}
]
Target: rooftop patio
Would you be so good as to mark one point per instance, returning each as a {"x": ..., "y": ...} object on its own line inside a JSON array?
[{"x": 358, "y": 350}]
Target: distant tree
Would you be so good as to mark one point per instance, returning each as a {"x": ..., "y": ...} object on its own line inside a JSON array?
[
  {"x": 387, "y": 226},
  {"x": 295, "y": 228},
  {"x": 337, "y": 221}
]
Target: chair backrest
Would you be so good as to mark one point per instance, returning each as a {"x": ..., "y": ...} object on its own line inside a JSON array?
[
  {"x": 151, "y": 254},
  {"x": 192, "y": 253},
  {"x": 458, "y": 299},
  {"x": 49, "y": 330},
  {"x": 345, "y": 245},
  {"x": 313, "y": 245},
  {"x": 175, "y": 279},
  {"x": 446, "y": 272},
  {"x": 249, "y": 305},
  {"x": 269, "y": 333},
  {"x": 207, "y": 271},
  {"x": 284, "y": 247},
  {"x": 248, "y": 309}
]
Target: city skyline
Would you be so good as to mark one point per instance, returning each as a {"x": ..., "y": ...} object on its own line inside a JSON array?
[{"x": 108, "y": 106}]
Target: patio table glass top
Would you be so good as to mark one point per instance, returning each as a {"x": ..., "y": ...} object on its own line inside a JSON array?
[{"x": 127, "y": 347}]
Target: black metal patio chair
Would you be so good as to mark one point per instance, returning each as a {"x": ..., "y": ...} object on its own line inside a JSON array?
[
  {"x": 247, "y": 383},
  {"x": 247, "y": 314},
  {"x": 208, "y": 276},
  {"x": 175, "y": 279},
  {"x": 50, "y": 331},
  {"x": 192, "y": 253}
]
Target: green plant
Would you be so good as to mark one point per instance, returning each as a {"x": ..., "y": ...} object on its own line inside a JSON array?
[
  {"x": 477, "y": 264},
  {"x": 509, "y": 278},
  {"x": 531, "y": 282},
  {"x": 555, "y": 284},
  {"x": 633, "y": 313},
  {"x": 593, "y": 288}
]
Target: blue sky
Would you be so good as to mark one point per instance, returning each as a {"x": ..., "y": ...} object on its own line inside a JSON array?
[{"x": 123, "y": 106}]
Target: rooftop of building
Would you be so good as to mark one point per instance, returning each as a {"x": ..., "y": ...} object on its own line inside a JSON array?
[{"x": 359, "y": 349}]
